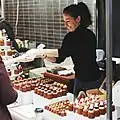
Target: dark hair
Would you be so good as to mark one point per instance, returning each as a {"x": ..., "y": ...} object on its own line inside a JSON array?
[{"x": 82, "y": 10}]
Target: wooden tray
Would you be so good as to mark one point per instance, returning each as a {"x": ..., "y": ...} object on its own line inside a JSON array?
[{"x": 58, "y": 78}]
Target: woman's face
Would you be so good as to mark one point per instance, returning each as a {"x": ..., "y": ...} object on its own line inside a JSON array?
[{"x": 70, "y": 22}]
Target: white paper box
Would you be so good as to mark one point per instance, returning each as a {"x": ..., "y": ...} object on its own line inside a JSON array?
[
  {"x": 25, "y": 98},
  {"x": 39, "y": 101}
]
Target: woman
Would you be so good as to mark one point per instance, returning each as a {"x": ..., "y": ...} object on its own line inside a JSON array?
[
  {"x": 7, "y": 94},
  {"x": 80, "y": 44}
]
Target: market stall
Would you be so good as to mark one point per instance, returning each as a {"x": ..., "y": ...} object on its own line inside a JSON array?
[{"x": 48, "y": 89}]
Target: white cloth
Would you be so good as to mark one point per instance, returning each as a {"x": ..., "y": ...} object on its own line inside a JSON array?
[{"x": 100, "y": 54}]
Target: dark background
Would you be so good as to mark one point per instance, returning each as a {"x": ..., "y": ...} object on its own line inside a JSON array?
[
  {"x": 41, "y": 20},
  {"x": 116, "y": 26}
]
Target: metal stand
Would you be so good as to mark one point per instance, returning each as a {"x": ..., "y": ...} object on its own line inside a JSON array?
[{"x": 109, "y": 57}]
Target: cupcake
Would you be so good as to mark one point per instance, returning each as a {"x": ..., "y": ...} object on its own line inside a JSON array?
[
  {"x": 91, "y": 114},
  {"x": 102, "y": 108},
  {"x": 38, "y": 91},
  {"x": 85, "y": 111},
  {"x": 96, "y": 110},
  {"x": 35, "y": 90},
  {"x": 24, "y": 89},
  {"x": 28, "y": 87},
  {"x": 45, "y": 94},
  {"x": 49, "y": 94}
]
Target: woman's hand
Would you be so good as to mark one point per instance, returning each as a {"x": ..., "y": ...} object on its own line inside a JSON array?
[{"x": 51, "y": 59}]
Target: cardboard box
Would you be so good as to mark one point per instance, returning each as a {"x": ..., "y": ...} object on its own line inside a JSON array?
[{"x": 101, "y": 92}]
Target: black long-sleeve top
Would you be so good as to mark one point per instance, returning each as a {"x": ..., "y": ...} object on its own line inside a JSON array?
[{"x": 81, "y": 46}]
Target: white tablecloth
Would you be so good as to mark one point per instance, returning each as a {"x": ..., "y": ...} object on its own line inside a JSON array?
[{"x": 26, "y": 112}]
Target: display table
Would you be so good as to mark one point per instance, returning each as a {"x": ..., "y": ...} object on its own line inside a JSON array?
[
  {"x": 74, "y": 116},
  {"x": 27, "y": 113},
  {"x": 39, "y": 101}
]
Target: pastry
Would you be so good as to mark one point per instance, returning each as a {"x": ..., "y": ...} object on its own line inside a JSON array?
[
  {"x": 96, "y": 110},
  {"x": 49, "y": 95},
  {"x": 102, "y": 108},
  {"x": 85, "y": 111}
]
